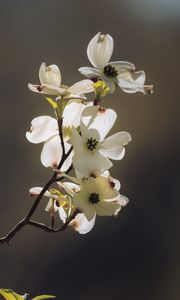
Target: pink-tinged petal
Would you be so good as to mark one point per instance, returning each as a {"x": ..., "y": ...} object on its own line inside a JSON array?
[
  {"x": 52, "y": 153},
  {"x": 101, "y": 119},
  {"x": 133, "y": 82},
  {"x": 42, "y": 128},
  {"x": 46, "y": 89},
  {"x": 90, "y": 164},
  {"x": 82, "y": 87},
  {"x": 35, "y": 191},
  {"x": 113, "y": 146},
  {"x": 49, "y": 74},
  {"x": 81, "y": 224},
  {"x": 69, "y": 187},
  {"x": 51, "y": 206},
  {"x": 90, "y": 72},
  {"x": 100, "y": 49},
  {"x": 113, "y": 182}
]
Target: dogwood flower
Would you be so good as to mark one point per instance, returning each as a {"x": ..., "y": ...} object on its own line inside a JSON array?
[
  {"x": 44, "y": 129},
  {"x": 57, "y": 202},
  {"x": 50, "y": 84},
  {"x": 80, "y": 222},
  {"x": 62, "y": 204},
  {"x": 97, "y": 196},
  {"x": 91, "y": 149},
  {"x": 118, "y": 73}
]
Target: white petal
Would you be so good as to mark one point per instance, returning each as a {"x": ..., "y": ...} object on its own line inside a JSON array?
[
  {"x": 104, "y": 208},
  {"x": 82, "y": 87},
  {"x": 88, "y": 133},
  {"x": 77, "y": 140},
  {"x": 46, "y": 89},
  {"x": 103, "y": 187},
  {"x": 100, "y": 49},
  {"x": 52, "y": 152},
  {"x": 37, "y": 190},
  {"x": 42, "y": 128},
  {"x": 122, "y": 201},
  {"x": 69, "y": 187},
  {"x": 90, "y": 72},
  {"x": 133, "y": 82},
  {"x": 89, "y": 164},
  {"x": 113, "y": 181},
  {"x": 81, "y": 224},
  {"x": 49, "y": 74},
  {"x": 113, "y": 146},
  {"x": 62, "y": 214},
  {"x": 122, "y": 66},
  {"x": 81, "y": 203},
  {"x": 72, "y": 113},
  {"x": 110, "y": 82},
  {"x": 101, "y": 119}
]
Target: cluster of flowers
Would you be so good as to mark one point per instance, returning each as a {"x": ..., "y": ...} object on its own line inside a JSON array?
[{"x": 77, "y": 136}]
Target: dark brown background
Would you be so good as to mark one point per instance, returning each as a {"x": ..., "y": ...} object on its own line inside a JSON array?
[{"x": 136, "y": 256}]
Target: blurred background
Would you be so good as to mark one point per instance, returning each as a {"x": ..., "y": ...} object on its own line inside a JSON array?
[{"x": 137, "y": 255}]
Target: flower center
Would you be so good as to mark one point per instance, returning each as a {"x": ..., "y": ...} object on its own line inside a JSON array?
[
  {"x": 94, "y": 198},
  {"x": 110, "y": 71},
  {"x": 91, "y": 144}
]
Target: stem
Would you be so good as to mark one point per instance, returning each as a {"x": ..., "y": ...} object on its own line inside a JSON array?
[{"x": 26, "y": 220}]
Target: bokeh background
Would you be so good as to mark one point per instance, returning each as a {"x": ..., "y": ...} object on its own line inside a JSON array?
[{"x": 137, "y": 255}]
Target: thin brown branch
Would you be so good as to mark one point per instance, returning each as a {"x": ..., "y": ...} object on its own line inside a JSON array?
[
  {"x": 26, "y": 220},
  {"x": 60, "y": 123},
  {"x": 50, "y": 229}
]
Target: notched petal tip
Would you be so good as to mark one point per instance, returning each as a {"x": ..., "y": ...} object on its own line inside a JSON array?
[{"x": 148, "y": 89}]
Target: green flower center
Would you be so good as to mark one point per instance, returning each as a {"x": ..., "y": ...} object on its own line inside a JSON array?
[
  {"x": 110, "y": 71},
  {"x": 94, "y": 198},
  {"x": 91, "y": 144}
]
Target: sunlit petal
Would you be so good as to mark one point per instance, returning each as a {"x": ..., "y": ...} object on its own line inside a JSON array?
[
  {"x": 42, "y": 128},
  {"x": 100, "y": 49}
]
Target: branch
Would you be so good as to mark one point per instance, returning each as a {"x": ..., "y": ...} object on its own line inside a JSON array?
[
  {"x": 26, "y": 220},
  {"x": 50, "y": 229}
]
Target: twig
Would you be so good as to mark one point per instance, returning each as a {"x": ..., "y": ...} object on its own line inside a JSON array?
[{"x": 26, "y": 220}]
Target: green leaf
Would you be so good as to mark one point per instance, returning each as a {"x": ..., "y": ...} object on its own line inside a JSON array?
[
  {"x": 10, "y": 295},
  {"x": 52, "y": 102},
  {"x": 41, "y": 297}
]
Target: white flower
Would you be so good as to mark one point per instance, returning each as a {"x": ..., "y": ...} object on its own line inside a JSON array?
[
  {"x": 91, "y": 149},
  {"x": 63, "y": 205},
  {"x": 44, "y": 129},
  {"x": 80, "y": 222},
  {"x": 97, "y": 197},
  {"x": 50, "y": 79},
  {"x": 118, "y": 73},
  {"x": 57, "y": 202}
]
